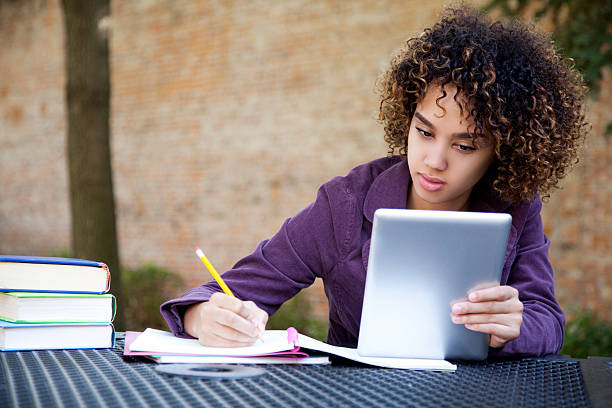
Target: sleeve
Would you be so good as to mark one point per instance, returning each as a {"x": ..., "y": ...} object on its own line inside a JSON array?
[
  {"x": 303, "y": 249},
  {"x": 532, "y": 275}
]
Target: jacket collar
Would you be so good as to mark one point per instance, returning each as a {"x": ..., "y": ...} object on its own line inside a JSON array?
[{"x": 390, "y": 190}]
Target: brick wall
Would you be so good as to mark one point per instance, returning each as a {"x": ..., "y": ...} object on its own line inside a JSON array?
[
  {"x": 33, "y": 172},
  {"x": 577, "y": 219},
  {"x": 226, "y": 117}
]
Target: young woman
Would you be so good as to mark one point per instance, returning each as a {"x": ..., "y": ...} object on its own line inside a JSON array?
[{"x": 478, "y": 116}]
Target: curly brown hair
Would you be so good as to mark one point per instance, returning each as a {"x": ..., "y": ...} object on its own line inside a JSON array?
[{"x": 522, "y": 94}]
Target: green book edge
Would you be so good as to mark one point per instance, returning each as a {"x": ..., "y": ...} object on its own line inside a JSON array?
[
  {"x": 6, "y": 319},
  {"x": 54, "y": 294},
  {"x": 60, "y": 295}
]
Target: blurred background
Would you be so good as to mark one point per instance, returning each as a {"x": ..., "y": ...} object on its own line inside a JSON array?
[{"x": 224, "y": 117}]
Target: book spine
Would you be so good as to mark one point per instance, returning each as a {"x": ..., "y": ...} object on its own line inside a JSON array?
[
  {"x": 113, "y": 338},
  {"x": 114, "y": 308},
  {"x": 108, "y": 276}
]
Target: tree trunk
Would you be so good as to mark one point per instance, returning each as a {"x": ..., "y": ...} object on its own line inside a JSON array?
[{"x": 94, "y": 233}]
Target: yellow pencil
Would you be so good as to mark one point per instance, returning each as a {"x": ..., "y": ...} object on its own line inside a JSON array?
[{"x": 213, "y": 272}]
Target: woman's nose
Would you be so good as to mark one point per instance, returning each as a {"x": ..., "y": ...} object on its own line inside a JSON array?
[{"x": 435, "y": 158}]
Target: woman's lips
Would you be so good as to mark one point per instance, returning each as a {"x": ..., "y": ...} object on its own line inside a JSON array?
[{"x": 430, "y": 183}]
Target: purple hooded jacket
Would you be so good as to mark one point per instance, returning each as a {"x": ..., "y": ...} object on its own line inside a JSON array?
[{"x": 330, "y": 239}]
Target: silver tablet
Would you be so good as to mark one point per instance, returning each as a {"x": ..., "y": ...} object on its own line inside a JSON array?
[{"x": 420, "y": 263}]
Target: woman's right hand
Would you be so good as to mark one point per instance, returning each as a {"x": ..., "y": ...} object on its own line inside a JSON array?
[{"x": 225, "y": 321}]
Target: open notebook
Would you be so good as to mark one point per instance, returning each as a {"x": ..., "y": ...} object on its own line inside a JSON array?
[
  {"x": 285, "y": 344},
  {"x": 282, "y": 357}
]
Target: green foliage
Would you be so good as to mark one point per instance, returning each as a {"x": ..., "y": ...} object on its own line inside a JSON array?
[
  {"x": 582, "y": 29},
  {"x": 144, "y": 290},
  {"x": 587, "y": 335},
  {"x": 297, "y": 313},
  {"x": 63, "y": 253},
  {"x": 608, "y": 131}
]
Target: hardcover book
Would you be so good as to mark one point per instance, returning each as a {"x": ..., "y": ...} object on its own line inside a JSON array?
[
  {"x": 49, "y": 336},
  {"x": 50, "y": 274},
  {"x": 45, "y": 307}
]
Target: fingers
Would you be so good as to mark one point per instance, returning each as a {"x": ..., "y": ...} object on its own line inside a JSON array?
[
  {"x": 496, "y": 311},
  {"x": 507, "y": 306},
  {"x": 507, "y": 319},
  {"x": 498, "y": 334},
  {"x": 501, "y": 327},
  {"x": 496, "y": 342},
  {"x": 226, "y": 321},
  {"x": 496, "y": 299},
  {"x": 252, "y": 313},
  {"x": 246, "y": 309},
  {"x": 495, "y": 293},
  {"x": 245, "y": 317},
  {"x": 236, "y": 322}
]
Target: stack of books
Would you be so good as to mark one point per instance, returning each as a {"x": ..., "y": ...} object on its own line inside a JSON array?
[{"x": 55, "y": 303}]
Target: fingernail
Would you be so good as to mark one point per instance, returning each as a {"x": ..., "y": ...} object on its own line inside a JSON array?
[
  {"x": 472, "y": 297},
  {"x": 457, "y": 309}
]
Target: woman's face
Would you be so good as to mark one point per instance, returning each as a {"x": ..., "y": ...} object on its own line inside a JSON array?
[{"x": 444, "y": 162}]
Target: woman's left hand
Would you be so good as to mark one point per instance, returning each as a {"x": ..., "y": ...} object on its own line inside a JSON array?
[{"x": 496, "y": 311}]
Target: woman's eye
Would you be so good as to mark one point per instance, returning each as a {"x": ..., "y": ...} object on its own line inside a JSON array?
[
  {"x": 424, "y": 132},
  {"x": 466, "y": 148}
]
